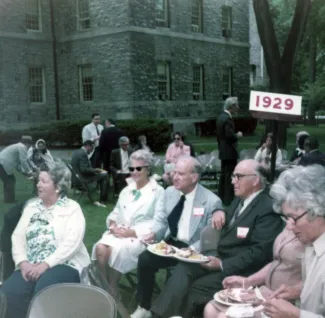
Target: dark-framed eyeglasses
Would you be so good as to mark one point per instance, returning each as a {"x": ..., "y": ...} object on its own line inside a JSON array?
[
  {"x": 292, "y": 219},
  {"x": 238, "y": 176},
  {"x": 137, "y": 168}
]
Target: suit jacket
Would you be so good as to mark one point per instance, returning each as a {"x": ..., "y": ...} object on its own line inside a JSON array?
[
  {"x": 109, "y": 139},
  {"x": 227, "y": 137},
  {"x": 81, "y": 165},
  {"x": 116, "y": 161},
  {"x": 249, "y": 253},
  {"x": 205, "y": 199},
  {"x": 313, "y": 158}
]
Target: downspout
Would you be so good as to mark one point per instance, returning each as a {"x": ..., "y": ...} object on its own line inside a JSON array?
[{"x": 55, "y": 63}]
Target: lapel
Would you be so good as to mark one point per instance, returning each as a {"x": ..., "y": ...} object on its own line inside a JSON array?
[{"x": 199, "y": 202}]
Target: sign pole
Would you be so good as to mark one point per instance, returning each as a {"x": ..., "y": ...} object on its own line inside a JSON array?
[{"x": 274, "y": 150}]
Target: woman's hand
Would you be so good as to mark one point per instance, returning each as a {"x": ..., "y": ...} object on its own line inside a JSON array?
[
  {"x": 26, "y": 268},
  {"x": 123, "y": 232},
  {"x": 235, "y": 281},
  {"x": 38, "y": 270},
  {"x": 279, "y": 308}
]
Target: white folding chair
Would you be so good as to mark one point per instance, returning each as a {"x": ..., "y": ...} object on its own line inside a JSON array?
[
  {"x": 209, "y": 239},
  {"x": 72, "y": 300}
]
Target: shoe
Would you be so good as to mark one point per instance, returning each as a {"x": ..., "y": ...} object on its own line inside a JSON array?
[
  {"x": 141, "y": 313},
  {"x": 99, "y": 204}
]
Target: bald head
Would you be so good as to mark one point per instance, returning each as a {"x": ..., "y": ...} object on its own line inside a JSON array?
[{"x": 248, "y": 178}]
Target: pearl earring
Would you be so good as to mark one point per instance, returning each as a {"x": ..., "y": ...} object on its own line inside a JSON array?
[{"x": 56, "y": 191}]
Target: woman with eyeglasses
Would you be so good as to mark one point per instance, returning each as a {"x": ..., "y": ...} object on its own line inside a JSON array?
[
  {"x": 176, "y": 149},
  {"x": 138, "y": 217}
]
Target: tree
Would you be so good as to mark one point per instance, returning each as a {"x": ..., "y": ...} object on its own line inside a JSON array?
[{"x": 280, "y": 66}]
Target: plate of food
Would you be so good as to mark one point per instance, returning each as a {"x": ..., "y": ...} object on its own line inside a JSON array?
[
  {"x": 161, "y": 249},
  {"x": 190, "y": 256},
  {"x": 235, "y": 296}
]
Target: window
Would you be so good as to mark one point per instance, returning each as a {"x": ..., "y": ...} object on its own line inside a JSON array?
[
  {"x": 86, "y": 83},
  {"x": 198, "y": 85},
  {"x": 197, "y": 25},
  {"x": 253, "y": 74},
  {"x": 33, "y": 15},
  {"x": 227, "y": 82},
  {"x": 226, "y": 21},
  {"x": 36, "y": 85},
  {"x": 83, "y": 15},
  {"x": 163, "y": 79},
  {"x": 162, "y": 13}
]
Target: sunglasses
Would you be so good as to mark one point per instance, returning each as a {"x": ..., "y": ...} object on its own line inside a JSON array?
[
  {"x": 137, "y": 168},
  {"x": 177, "y": 138}
]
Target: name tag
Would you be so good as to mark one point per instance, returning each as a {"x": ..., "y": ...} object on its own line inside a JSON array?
[
  {"x": 198, "y": 211},
  {"x": 242, "y": 232}
]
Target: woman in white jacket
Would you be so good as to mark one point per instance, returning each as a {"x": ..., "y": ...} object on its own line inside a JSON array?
[
  {"x": 139, "y": 215},
  {"x": 47, "y": 244}
]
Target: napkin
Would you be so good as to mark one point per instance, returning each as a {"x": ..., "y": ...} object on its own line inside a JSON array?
[{"x": 240, "y": 311}]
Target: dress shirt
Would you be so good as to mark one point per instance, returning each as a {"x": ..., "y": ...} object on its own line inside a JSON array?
[
  {"x": 248, "y": 200},
  {"x": 263, "y": 156},
  {"x": 89, "y": 132},
  {"x": 228, "y": 112},
  {"x": 124, "y": 160},
  {"x": 184, "y": 222},
  {"x": 313, "y": 293}
]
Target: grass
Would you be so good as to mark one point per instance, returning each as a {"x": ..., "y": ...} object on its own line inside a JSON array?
[{"x": 96, "y": 217}]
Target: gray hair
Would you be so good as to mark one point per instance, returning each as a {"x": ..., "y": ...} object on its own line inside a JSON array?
[
  {"x": 143, "y": 155},
  {"x": 230, "y": 102},
  {"x": 123, "y": 140},
  {"x": 197, "y": 167},
  {"x": 301, "y": 187},
  {"x": 60, "y": 175},
  {"x": 263, "y": 174}
]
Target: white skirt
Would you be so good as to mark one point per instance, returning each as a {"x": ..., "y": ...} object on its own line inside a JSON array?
[{"x": 125, "y": 252}]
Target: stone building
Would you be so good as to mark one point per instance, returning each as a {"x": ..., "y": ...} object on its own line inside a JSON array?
[{"x": 175, "y": 59}]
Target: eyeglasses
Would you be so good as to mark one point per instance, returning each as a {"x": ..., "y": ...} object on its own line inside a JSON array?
[
  {"x": 177, "y": 138},
  {"x": 137, "y": 168},
  {"x": 292, "y": 219},
  {"x": 238, "y": 176}
]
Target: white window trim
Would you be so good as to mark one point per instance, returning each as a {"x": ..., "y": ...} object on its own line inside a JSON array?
[
  {"x": 79, "y": 28},
  {"x": 81, "y": 95},
  {"x": 198, "y": 28},
  {"x": 43, "y": 87},
  {"x": 168, "y": 88},
  {"x": 40, "y": 24},
  {"x": 164, "y": 21},
  {"x": 230, "y": 81},
  {"x": 201, "y": 93}
]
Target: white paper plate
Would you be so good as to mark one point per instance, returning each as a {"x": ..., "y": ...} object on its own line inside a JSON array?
[
  {"x": 191, "y": 260},
  {"x": 151, "y": 249},
  {"x": 223, "y": 302}
]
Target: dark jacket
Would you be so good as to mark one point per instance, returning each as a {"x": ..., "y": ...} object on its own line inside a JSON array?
[
  {"x": 315, "y": 157},
  {"x": 116, "y": 161},
  {"x": 81, "y": 165},
  {"x": 109, "y": 139},
  {"x": 244, "y": 256},
  {"x": 227, "y": 137}
]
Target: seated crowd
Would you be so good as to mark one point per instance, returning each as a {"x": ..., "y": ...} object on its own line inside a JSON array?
[{"x": 272, "y": 238}]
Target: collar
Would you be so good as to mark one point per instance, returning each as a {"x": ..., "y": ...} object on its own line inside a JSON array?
[
  {"x": 191, "y": 195},
  {"x": 319, "y": 245},
  {"x": 61, "y": 202},
  {"x": 152, "y": 183},
  {"x": 228, "y": 112},
  {"x": 251, "y": 197},
  {"x": 123, "y": 150},
  {"x": 313, "y": 150},
  {"x": 84, "y": 150}
]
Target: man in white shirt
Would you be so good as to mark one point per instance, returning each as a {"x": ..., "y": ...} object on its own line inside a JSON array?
[
  {"x": 189, "y": 207},
  {"x": 14, "y": 157},
  {"x": 92, "y": 132}
]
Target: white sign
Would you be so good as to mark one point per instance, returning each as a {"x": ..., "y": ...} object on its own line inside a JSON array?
[{"x": 275, "y": 103}]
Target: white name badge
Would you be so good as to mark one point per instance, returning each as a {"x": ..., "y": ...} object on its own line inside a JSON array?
[
  {"x": 198, "y": 211},
  {"x": 242, "y": 232}
]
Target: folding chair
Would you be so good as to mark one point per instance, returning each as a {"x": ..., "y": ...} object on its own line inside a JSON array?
[
  {"x": 72, "y": 300},
  {"x": 247, "y": 154},
  {"x": 211, "y": 169},
  {"x": 209, "y": 239}
]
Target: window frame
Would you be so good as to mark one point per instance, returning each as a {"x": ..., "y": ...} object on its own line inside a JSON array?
[
  {"x": 162, "y": 23},
  {"x": 197, "y": 27},
  {"x": 227, "y": 73},
  {"x": 31, "y": 85},
  {"x": 80, "y": 20},
  {"x": 226, "y": 21},
  {"x": 201, "y": 94},
  {"x": 167, "y": 81},
  {"x": 39, "y": 17},
  {"x": 82, "y": 84}
]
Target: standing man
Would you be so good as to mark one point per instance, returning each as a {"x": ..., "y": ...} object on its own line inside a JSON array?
[
  {"x": 109, "y": 140},
  {"x": 92, "y": 132},
  {"x": 14, "y": 157},
  {"x": 228, "y": 153}
]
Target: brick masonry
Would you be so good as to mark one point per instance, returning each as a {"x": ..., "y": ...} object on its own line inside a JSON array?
[{"x": 123, "y": 46}]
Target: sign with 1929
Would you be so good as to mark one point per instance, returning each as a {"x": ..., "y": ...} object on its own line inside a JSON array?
[{"x": 275, "y": 103}]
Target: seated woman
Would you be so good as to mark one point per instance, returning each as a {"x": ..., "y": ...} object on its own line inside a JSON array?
[
  {"x": 142, "y": 143},
  {"x": 47, "y": 244},
  {"x": 138, "y": 216},
  {"x": 38, "y": 155},
  {"x": 299, "y": 151},
  {"x": 264, "y": 153},
  {"x": 285, "y": 269},
  {"x": 174, "y": 151}
]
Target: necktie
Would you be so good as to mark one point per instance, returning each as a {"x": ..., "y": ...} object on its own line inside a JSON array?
[
  {"x": 175, "y": 215},
  {"x": 236, "y": 213},
  {"x": 97, "y": 130},
  {"x": 137, "y": 194}
]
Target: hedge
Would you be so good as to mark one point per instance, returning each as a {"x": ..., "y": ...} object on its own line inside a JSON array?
[{"x": 67, "y": 134}]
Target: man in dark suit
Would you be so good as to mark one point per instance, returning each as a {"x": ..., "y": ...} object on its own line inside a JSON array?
[
  {"x": 247, "y": 234},
  {"x": 108, "y": 141},
  {"x": 87, "y": 174},
  {"x": 313, "y": 156},
  {"x": 189, "y": 208},
  {"x": 227, "y": 143},
  {"x": 120, "y": 164}
]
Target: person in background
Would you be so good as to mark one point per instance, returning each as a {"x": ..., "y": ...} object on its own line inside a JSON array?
[
  {"x": 138, "y": 214},
  {"x": 14, "y": 157},
  {"x": 264, "y": 153},
  {"x": 142, "y": 143},
  {"x": 38, "y": 155},
  {"x": 47, "y": 244},
  {"x": 227, "y": 144},
  {"x": 187, "y": 143},
  {"x": 299, "y": 151},
  {"x": 92, "y": 132},
  {"x": 312, "y": 155}
]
